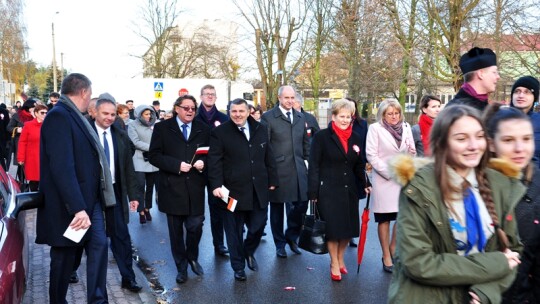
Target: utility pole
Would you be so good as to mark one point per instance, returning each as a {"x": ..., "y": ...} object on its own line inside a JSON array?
[{"x": 55, "y": 80}]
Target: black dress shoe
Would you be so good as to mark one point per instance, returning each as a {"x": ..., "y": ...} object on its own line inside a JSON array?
[
  {"x": 294, "y": 246},
  {"x": 196, "y": 267},
  {"x": 252, "y": 263},
  {"x": 221, "y": 250},
  {"x": 74, "y": 278},
  {"x": 181, "y": 277},
  {"x": 280, "y": 252},
  {"x": 388, "y": 269},
  {"x": 352, "y": 243},
  {"x": 131, "y": 285},
  {"x": 240, "y": 275}
]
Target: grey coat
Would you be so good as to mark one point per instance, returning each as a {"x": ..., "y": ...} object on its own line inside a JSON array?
[
  {"x": 141, "y": 135},
  {"x": 290, "y": 145}
]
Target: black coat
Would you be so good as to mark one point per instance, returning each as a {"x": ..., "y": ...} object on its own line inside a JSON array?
[
  {"x": 360, "y": 127},
  {"x": 179, "y": 193},
  {"x": 69, "y": 175},
  {"x": 243, "y": 167},
  {"x": 463, "y": 98},
  {"x": 332, "y": 181}
]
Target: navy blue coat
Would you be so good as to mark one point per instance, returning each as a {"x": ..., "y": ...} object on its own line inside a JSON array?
[{"x": 69, "y": 175}]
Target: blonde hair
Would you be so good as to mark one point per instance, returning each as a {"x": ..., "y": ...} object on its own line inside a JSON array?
[
  {"x": 385, "y": 104},
  {"x": 341, "y": 104}
]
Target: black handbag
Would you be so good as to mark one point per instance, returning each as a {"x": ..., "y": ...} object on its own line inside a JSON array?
[{"x": 313, "y": 233}]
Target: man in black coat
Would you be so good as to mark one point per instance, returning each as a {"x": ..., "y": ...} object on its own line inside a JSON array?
[
  {"x": 241, "y": 160},
  {"x": 181, "y": 181},
  {"x": 480, "y": 74},
  {"x": 73, "y": 192},
  {"x": 210, "y": 115},
  {"x": 118, "y": 147},
  {"x": 312, "y": 125}
]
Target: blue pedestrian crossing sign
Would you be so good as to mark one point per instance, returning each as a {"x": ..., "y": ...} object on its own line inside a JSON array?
[{"x": 158, "y": 86}]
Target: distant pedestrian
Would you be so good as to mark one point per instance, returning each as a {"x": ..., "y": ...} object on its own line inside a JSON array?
[
  {"x": 430, "y": 106},
  {"x": 131, "y": 108},
  {"x": 211, "y": 116},
  {"x": 28, "y": 150},
  {"x": 140, "y": 132},
  {"x": 241, "y": 146},
  {"x": 386, "y": 138},
  {"x": 480, "y": 76},
  {"x": 524, "y": 94},
  {"x": 15, "y": 127},
  {"x": 182, "y": 179},
  {"x": 312, "y": 125},
  {"x": 53, "y": 99}
]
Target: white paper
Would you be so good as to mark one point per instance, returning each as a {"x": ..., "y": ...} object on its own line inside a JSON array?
[
  {"x": 73, "y": 235},
  {"x": 225, "y": 193}
]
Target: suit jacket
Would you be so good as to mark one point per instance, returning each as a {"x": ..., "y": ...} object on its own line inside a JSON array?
[
  {"x": 290, "y": 145},
  {"x": 124, "y": 171},
  {"x": 69, "y": 175},
  {"x": 244, "y": 167},
  {"x": 179, "y": 193}
]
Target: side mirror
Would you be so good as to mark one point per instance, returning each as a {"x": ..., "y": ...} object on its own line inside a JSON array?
[{"x": 25, "y": 201}]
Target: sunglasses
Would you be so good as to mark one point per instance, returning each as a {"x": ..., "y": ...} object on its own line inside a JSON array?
[
  {"x": 187, "y": 109},
  {"x": 42, "y": 112}
]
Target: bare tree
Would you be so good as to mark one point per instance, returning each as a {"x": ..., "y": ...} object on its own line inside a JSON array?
[
  {"x": 279, "y": 42},
  {"x": 12, "y": 42}
]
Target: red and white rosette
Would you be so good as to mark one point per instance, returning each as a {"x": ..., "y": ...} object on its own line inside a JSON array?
[{"x": 356, "y": 149}]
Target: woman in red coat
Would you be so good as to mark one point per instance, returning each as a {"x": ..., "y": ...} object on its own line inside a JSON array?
[{"x": 28, "y": 150}]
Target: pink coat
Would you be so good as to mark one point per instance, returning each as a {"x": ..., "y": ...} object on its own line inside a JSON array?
[{"x": 380, "y": 148}]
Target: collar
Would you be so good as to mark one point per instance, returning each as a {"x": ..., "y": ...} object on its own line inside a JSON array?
[
  {"x": 457, "y": 180},
  {"x": 285, "y": 111},
  {"x": 101, "y": 130},
  {"x": 180, "y": 123}
]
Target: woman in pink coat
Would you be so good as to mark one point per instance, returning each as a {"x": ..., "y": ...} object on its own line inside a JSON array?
[
  {"x": 28, "y": 150},
  {"x": 386, "y": 138}
]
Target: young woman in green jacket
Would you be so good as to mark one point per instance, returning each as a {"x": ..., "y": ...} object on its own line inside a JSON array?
[{"x": 457, "y": 241}]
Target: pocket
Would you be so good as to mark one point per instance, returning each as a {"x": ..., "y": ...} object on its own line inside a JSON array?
[{"x": 280, "y": 158}]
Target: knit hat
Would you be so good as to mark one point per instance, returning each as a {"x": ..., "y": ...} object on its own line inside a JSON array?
[
  {"x": 106, "y": 96},
  {"x": 528, "y": 82},
  {"x": 476, "y": 59}
]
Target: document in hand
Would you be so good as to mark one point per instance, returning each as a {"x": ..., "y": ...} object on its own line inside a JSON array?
[{"x": 73, "y": 235}]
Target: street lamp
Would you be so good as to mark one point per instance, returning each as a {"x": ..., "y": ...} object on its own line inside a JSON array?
[{"x": 55, "y": 81}]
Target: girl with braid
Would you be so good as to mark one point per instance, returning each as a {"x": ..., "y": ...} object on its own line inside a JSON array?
[
  {"x": 457, "y": 241},
  {"x": 511, "y": 137}
]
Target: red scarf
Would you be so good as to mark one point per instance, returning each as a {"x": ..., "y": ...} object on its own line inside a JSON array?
[
  {"x": 25, "y": 116},
  {"x": 425, "y": 122},
  {"x": 343, "y": 135}
]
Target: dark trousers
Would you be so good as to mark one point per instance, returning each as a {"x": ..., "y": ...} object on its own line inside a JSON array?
[
  {"x": 295, "y": 216},
  {"x": 216, "y": 218},
  {"x": 181, "y": 250},
  {"x": 63, "y": 259},
  {"x": 239, "y": 249},
  {"x": 118, "y": 232},
  {"x": 146, "y": 182}
]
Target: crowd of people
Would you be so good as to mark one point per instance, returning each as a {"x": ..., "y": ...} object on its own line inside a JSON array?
[{"x": 461, "y": 186}]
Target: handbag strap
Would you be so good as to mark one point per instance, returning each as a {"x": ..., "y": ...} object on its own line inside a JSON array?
[{"x": 314, "y": 210}]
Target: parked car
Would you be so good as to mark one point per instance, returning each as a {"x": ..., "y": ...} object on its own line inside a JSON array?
[{"x": 13, "y": 238}]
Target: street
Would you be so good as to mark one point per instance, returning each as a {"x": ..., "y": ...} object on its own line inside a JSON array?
[{"x": 309, "y": 274}]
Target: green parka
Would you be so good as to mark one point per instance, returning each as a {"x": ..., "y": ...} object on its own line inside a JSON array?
[{"x": 427, "y": 268}]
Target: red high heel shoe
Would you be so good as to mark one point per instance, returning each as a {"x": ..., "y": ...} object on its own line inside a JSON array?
[
  {"x": 343, "y": 270},
  {"x": 335, "y": 277}
]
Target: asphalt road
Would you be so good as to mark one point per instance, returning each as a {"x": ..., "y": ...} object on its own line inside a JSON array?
[{"x": 309, "y": 274}]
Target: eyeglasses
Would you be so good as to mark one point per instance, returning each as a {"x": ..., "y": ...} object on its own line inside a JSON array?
[
  {"x": 392, "y": 114},
  {"x": 187, "y": 109},
  {"x": 524, "y": 91},
  {"x": 42, "y": 112},
  {"x": 210, "y": 94}
]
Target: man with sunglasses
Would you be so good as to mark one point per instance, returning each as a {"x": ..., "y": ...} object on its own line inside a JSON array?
[
  {"x": 210, "y": 115},
  {"x": 182, "y": 181}
]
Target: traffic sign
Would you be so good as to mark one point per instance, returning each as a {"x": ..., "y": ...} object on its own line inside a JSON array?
[
  {"x": 158, "y": 86},
  {"x": 158, "y": 95}
]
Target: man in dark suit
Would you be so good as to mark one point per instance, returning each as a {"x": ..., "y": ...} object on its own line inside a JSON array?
[
  {"x": 209, "y": 114},
  {"x": 181, "y": 181},
  {"x": 241, "y": 160},
  {"x": 312, "y": 125},
  {"x": 76, "y": 189},
  {"x": 290, "y": 144},
  {"x": 125, "y": 185}
]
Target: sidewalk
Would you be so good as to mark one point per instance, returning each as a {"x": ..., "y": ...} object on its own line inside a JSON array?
[{"x": 37, "y": 288}]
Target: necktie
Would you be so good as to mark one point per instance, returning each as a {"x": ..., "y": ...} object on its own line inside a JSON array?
[
  {"x": 475, "y": 231},
  {"x": 106, "y": 147},
  {"x": 243, "y": 129},
  {"x": 289, "y": 116},
  {"x": 184, "y": 131}
]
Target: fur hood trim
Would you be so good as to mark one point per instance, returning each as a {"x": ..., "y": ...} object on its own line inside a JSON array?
[{"x": 403, "y": 167}]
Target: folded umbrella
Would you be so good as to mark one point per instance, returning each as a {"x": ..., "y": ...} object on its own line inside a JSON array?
[{"x": 363, "y": 233}]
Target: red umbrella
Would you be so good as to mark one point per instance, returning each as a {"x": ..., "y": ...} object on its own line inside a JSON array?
[{"x": 363, "y": 232}]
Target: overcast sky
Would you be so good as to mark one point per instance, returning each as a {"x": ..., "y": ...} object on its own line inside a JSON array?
[{"x": 97, "y": 36}]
